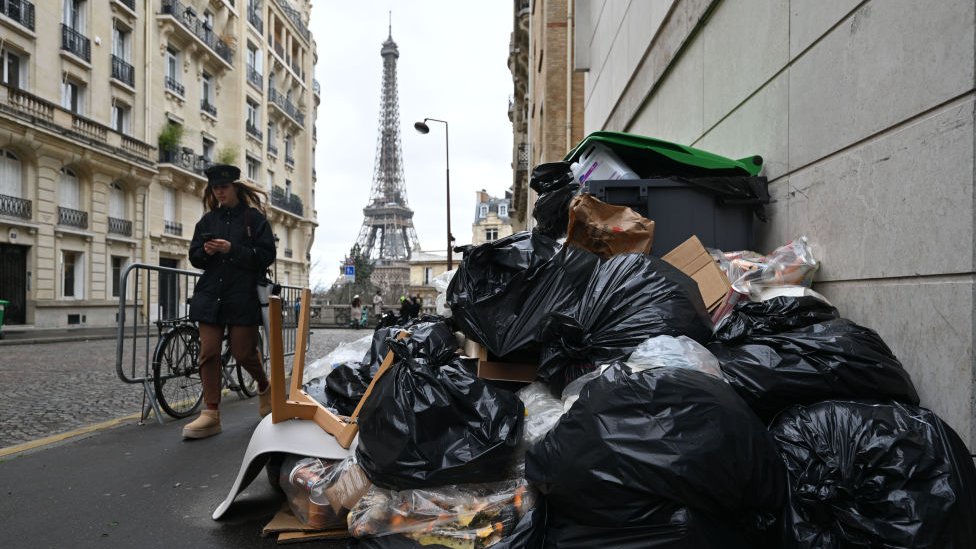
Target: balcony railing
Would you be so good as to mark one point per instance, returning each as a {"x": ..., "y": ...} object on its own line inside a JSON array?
[
  {"x": 206, "y": 107},
  {"x": 173, "y": 85},
  {"x": 131, "y": 4},
  {"x": 254, "y": 18},
  {"x": 122, "y": 71},
  {"x": 188, "y": 18},
  {"x": 119, "y": 226},
  {"x": 15, "y": 207},
  {"x": 255, "y": 78},
  {"x": 288, "y": 253},
  {"x": 40, "y": 112},
  {"x": 20, "y": 11},
  {"x": 285, "y": 105},
  {"x": 173, "y": 228},
  {"x": 523, "y": 157},
  {"x": 76, "y": 43},
  {"x": 295, "y": 17},
  {"x": 72, "y": 218},
  {"x": 289, "y": 160},
  {"x": 185, "y": 158},
  {"x": 298, "y": 70},
  {"x": 253, "y": 131},
  {"x": 280, "y": 198},
  {"x": 272, "y": 149}
]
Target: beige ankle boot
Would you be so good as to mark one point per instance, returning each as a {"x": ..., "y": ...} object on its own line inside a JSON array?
[
  {"x": 207, "y": 425},
  {"x": 264, "y": 401}
]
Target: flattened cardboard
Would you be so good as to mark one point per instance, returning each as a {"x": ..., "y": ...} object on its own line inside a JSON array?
[
  {"x": 498, "y": 371},
  {"x": 291, "y": 530},
  {"x": 691, "y": 258}
]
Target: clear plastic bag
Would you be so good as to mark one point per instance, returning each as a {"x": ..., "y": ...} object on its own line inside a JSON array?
[
  {"x": 351, "y": 351},
  {"x": 320, "y": 492},
  {"x": 463, "y": 515},
  {"x": 790, "y": 264},
  {"x": 440, "y": 283},
  {"x": 542, "y": 411},
  {"x": 674, "y": 352}
]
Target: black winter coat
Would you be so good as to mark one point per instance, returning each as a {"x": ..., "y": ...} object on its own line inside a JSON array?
[{"x": 225, "y": 293}]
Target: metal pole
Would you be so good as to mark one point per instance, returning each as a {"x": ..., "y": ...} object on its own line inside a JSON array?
[{"x": 447, "y": 161}]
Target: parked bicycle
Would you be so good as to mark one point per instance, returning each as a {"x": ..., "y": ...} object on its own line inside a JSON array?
[{"x": 176, "y": 368}]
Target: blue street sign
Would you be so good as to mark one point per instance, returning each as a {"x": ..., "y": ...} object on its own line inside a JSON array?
[{"x": 349, "y": 271}]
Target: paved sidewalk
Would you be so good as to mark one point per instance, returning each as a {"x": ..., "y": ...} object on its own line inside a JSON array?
[{"x": 137, "y": 486}]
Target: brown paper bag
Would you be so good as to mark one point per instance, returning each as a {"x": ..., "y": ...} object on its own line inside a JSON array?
[{"x": 606, "y": 229}]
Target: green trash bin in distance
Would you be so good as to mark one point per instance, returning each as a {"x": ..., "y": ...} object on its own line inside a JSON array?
[
  {"x": 649, "y": 157},
  {"x": 3, "y": 308}
]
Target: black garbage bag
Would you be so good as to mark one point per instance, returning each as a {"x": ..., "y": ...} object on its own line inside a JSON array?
[
  {"x": 669, "y": 526},
  {"x": 504, "y": 288},
  {"x": 773, "y": 316},
  {"x": 827, "y": 360},
  {"x": 627, "y": 299},
  {"x": 865, "y": 474},
  {"x": 556, "y": 187},
  {"x": 427, "y": 425},
  {"x": 634, "y": 440}
]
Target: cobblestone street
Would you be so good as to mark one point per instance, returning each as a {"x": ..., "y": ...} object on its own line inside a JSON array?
[{"x": 52, "y": 388}]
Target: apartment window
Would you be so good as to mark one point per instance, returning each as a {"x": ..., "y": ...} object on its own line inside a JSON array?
[
  {"x": 169, "y": 204},
  {"x": 252, "y": 114},
  {"x": 288, "y": 146},
  {"x": 120, "y": 42},
  {"x": 71, "y": 274},
  {"x": 253, "y": 57},
  {"x": 428, "y": 274},
  {"x": 207, "y": 88},
  {"x": 121, "y": 114},
  {"x": 491, "y": 234},
  {"x": 483, "y": 211},
  {"x": 74, "y": 14},
  {"x": 253, "y": 167},
  {"x": 271, "y": 132},
  {"x": 11, "y": 174},
  {"x": 69, "y": 190},
  {"x": 208, "y": 149},
  {"x": 288, "y": 189},
  {"x": 173, "y": 71},
  {"x": 208, "y": 20},
  {"x": 270, "y": 179},
  {"x": 503, "y": 210},
  {"x": 116, "y": 201},
  {"x": 14, "y": 68},
  {"x": 73, "y": 96},
  {"x": 118, "y": 265}
]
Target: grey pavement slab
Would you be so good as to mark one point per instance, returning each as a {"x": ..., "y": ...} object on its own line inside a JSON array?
[{"x": 137, "y": 486}]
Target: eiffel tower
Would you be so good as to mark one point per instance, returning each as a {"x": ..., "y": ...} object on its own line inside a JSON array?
[{"x": 388, "y": 236}]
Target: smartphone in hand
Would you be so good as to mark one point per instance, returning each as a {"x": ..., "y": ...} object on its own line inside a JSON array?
[{"x": 208, "y": 236}]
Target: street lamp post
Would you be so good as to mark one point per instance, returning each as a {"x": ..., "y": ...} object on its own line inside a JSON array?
[{"x": 423, "y": 128}]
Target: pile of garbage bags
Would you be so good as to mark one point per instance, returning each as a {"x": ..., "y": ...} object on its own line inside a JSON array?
[{"x": 771, "y": 422}]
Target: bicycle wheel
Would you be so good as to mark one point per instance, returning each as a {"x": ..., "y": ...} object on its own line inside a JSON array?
[
  {"x": 176, "y": 372},
  {"x": 248, "y": 385}
]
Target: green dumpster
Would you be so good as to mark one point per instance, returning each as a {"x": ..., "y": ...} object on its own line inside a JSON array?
[{"x": 3, "y": 307}]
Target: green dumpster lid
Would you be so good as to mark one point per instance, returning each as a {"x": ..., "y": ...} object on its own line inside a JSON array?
[{"x": 646, "y": 155}]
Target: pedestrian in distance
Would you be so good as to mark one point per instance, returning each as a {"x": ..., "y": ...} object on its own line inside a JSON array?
[
  {"x": 356, "y": 313},
  {"x": 415, "y": 307},
  {"x": 405, "y": 309},
  {"x": 233, "y": 244},
  {"x": 378, "y": 305}
]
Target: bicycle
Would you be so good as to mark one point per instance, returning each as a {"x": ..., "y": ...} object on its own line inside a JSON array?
[{"x": 176, "y": 368}]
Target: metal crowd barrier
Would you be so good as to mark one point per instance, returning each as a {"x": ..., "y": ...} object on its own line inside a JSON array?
[{"x": 150, "y": 294}]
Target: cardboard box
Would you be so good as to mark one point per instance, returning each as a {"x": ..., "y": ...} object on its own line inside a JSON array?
[
  {"x": 691, "y": 258},
  {"x": 499, "y": 371}
]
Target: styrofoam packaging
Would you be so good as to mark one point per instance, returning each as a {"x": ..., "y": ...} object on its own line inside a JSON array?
[{"x": 598, "y": 162}]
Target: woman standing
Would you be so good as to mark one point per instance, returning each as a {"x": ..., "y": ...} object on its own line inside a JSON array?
[{"x": 233, "y": 244}]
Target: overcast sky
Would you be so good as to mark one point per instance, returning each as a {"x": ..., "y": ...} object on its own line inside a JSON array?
[{"x": 452, "y": 66}]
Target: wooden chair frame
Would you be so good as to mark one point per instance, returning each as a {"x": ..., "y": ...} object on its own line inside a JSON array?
[{"x": 297, "y": 404}]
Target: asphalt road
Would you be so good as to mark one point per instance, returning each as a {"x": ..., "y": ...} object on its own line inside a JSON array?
[
  {"x": 56, "y": 387},
  {"x": 130, "y": 485}
]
